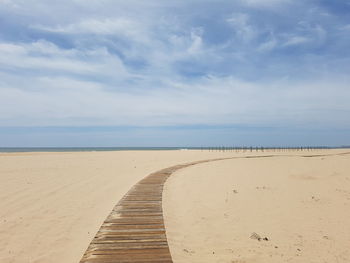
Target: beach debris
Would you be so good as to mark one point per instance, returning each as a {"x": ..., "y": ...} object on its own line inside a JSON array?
[
  {"x": 314, "y": 198},
  {"x": 258, "y": 237},
  {"x": 235, "y": 191},
  {"x": 255, "y": 236}
]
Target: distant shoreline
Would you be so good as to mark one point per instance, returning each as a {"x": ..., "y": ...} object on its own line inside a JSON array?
[
  {"x": 107, "y": 149},
  {"x": 85, "y": 149}
]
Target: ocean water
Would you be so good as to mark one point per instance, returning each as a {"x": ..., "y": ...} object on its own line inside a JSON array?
[
  {"x": 94, "y": 149},
  {"x": 84, "y": 149}
]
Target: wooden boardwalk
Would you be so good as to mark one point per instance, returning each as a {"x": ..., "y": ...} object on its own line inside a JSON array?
[{"x": 134, "y": 231}]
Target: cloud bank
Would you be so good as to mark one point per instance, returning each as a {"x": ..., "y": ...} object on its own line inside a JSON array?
[{"x": 275, "y": 63}]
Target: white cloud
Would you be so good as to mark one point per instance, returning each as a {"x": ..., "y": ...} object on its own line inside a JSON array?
[
  {"x": 244, "y": 30},
  {"x": 268, "y": 45},
  {"x": 44, "y": 56},
  {"x": 266, "y": 3},
  {"x": 316, "y": 35},
  {"x": 104, "y": 26},
  {"x": 345, "y": 28},
  {"x": 212, "y": 100},
  {"x": 197, "y": 41},
  {"x": 122, "y": 27},
  {"x": 296, "y": 40},
  {"x": 124, "y": 63},
  {"x": 8, "y": 3}
]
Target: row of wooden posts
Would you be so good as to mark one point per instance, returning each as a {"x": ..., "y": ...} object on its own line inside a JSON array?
[{"x": 261, "y": 149}]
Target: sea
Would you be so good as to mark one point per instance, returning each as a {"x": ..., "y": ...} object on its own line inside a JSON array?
[
  {"x": 87, "y": 149},
  {"x": 100, "y": 149}
]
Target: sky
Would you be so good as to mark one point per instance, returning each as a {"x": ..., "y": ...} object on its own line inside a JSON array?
[{"x": 174, "y": 73}]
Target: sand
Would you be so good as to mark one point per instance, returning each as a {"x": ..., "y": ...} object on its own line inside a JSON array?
[
  {"x": 52, "y": 204},
  {"x": 222, "y": 211}
]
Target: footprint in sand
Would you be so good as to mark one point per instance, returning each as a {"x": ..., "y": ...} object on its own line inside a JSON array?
[
  {"x": 263, "y": 188},
  {"x": 306, "y": 177},
  {"x": 188, "y": 251}
]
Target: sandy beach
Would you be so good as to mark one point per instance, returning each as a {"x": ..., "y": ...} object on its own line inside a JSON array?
[
  {"x": 276, "y": 209},
  {"x": 52, "y": 204}
]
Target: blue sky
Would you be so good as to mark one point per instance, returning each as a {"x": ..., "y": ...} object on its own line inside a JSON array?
[{"x": 174, "y": 73}]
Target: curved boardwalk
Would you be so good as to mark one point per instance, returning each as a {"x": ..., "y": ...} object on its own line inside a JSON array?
[{"x": 134, "y": 231}]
